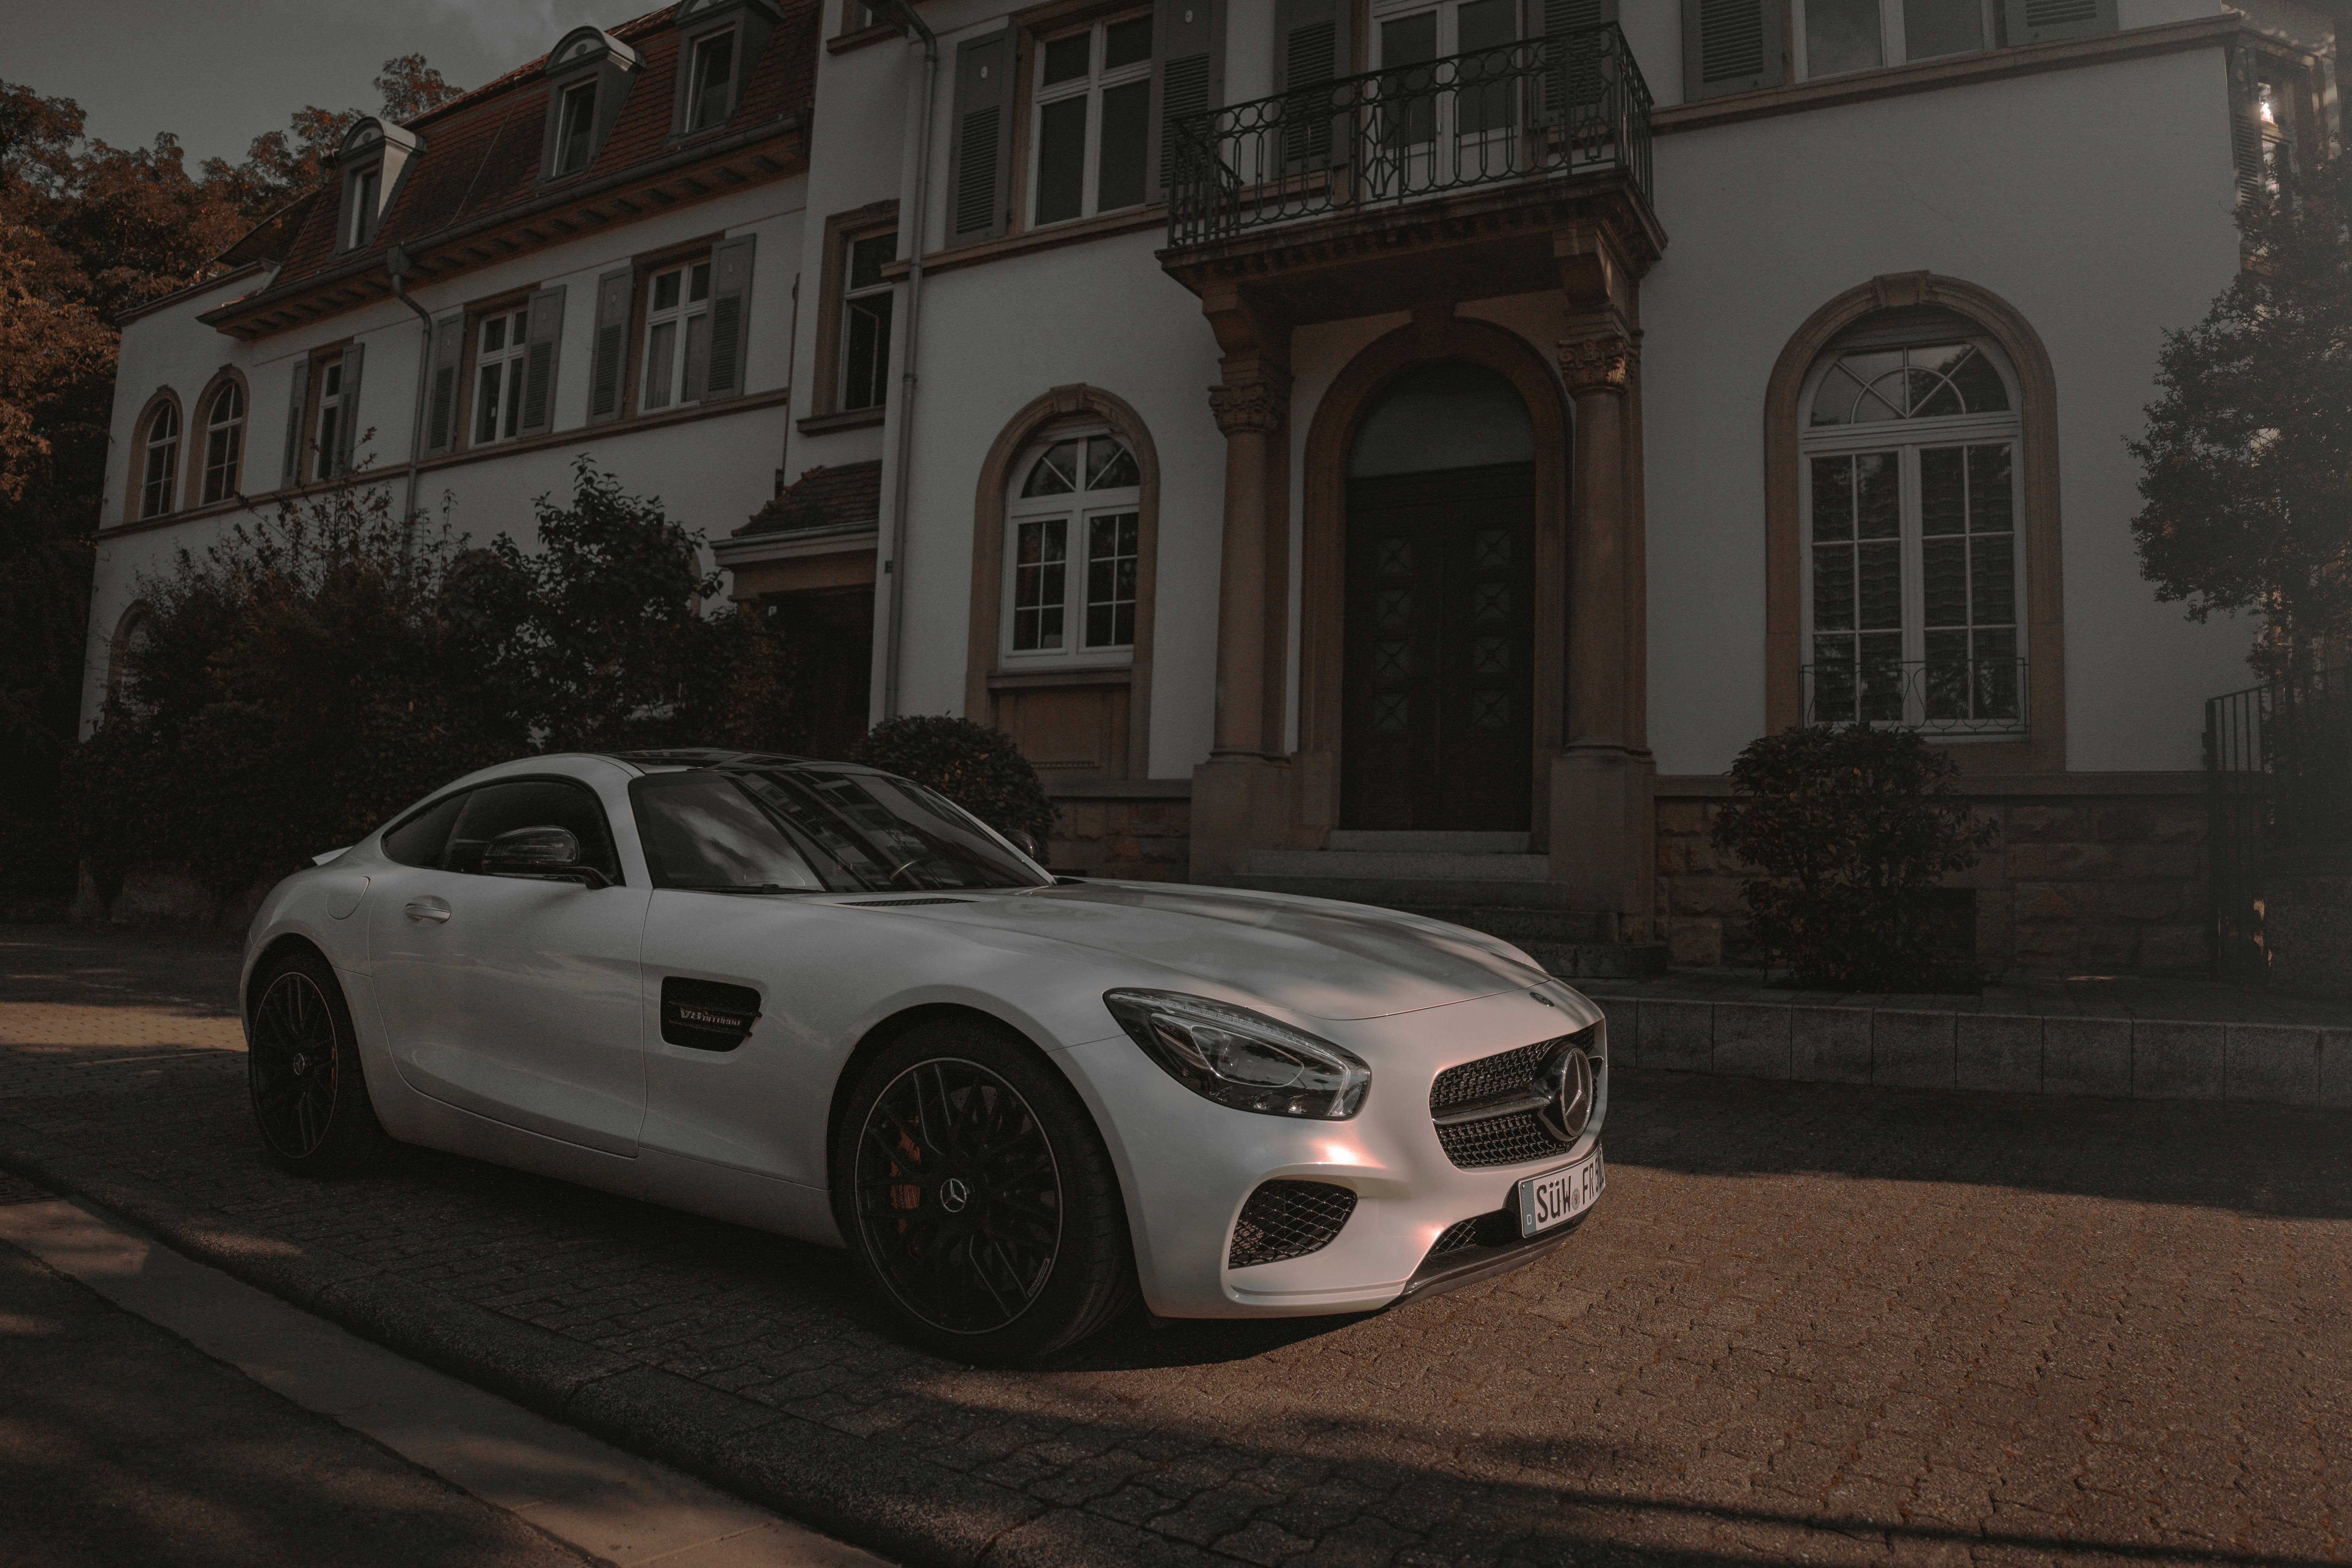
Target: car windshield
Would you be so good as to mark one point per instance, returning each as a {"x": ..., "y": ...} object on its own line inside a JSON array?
[{"x": 781, "y": 830}]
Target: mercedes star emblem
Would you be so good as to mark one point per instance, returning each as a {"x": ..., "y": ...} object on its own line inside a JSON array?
[
  {"x": 954, "y": 1195},
  {"x": 1567, "y": 1081}
]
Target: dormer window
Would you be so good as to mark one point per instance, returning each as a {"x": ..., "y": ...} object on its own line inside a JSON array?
[
  {"x": 718, "y": 45},
  {"x": 588, "y": 76},
  {"x": 714, "y": 81},
  {"x": 575, "y": 128},
  {"x": 366, "y": 206},
  {"x": 371, "y": 160}
]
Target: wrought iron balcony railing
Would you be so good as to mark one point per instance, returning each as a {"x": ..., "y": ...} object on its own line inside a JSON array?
[
  {"x": 1933, "y": 696},
  {"x": 1569, "y": 103}
]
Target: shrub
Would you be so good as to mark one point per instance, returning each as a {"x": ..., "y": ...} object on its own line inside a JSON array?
[
  {"x": 978, "y": 768},
  {"x": 326, "y": 665},
  {"x": 1851, "y": 832}
]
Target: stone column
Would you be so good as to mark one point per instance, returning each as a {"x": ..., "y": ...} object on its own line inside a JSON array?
[
  {"x": 1601, "y": 829},
  {"x": 1240, "y": 796},
  {"x": 1252, "y": 413}
]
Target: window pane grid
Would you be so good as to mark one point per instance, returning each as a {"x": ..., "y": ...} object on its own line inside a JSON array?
[
  {"x": 676, "y": 336},
  {"x": 1090, "y": 136},
  {"x": 1073, "y": 572},
  {"x": 163, "y": 464},
  {"x": 497, "y": 390},
  {"x": 1911, "y": 578},
  {"x": 224, "y": 444}
]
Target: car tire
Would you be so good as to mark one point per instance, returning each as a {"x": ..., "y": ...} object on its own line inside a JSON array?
[
  {"x": 979, "y": 1203},
  {"x": 309, "y": 1094}
]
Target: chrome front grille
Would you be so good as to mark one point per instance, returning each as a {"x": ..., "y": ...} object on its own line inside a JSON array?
[
  {"x": 1286, "y": 1220},
  {"x": 1511, "y": 1133}
]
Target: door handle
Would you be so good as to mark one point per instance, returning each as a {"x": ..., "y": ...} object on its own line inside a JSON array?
[{"x": 432, "y": 910}]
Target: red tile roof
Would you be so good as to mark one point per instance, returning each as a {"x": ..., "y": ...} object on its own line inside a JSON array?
[
  {"x": 839, "y": 497},
  {"x": 482, "y": 149}
]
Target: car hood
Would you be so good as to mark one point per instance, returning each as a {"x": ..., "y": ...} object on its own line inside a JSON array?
[{"x": 1315, "y": 958}]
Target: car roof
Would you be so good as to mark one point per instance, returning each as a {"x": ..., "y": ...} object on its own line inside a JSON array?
[{"x": 720, "y": 757}]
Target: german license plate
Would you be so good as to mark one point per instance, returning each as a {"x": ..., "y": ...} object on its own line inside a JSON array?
[{"x": 1558, "y": 1196}]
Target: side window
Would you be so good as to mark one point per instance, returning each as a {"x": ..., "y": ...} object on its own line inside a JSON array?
[
  {"x": 500, "y": 808},
  {"x": 701, "y": 831},
  {"x": 423, "y": 839}
]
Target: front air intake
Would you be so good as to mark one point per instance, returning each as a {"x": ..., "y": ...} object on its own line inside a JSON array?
[{"x": 1289, "y": 1219}]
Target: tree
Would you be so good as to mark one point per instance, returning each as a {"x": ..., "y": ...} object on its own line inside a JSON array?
[
  {"x": 281, "y": 165},
  {"x": 325, "y": 665},
  {"x": 2246, "y": 466},
  {"x": 88, "y": 231}
]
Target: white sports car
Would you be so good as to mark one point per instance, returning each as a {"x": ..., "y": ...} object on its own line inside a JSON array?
[{"x": 825, "y": 1002}]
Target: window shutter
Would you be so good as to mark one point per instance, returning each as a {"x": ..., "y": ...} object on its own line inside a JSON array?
[
  {"x": 292, "y": 472},
  {"x": 1311, "y": 47},
  {"x": 1569, "y": 82},
  {"x": 1188, "y": 69},
  {"x": 1735, "y": 46},
  {"x": 2039, "y": 21},
  {"x": 347, "y": 427},
  {"x": 441, "y": 412},
  {"x": 542, "y": 335},
  {"x": 611, "y": 356},
  {"x": 981, "y": 156},
  {"x": 730, "y": 301}
]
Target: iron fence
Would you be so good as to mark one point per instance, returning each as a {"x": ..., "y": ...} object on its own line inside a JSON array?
[
  {"x": 1934, "y": 696},
  {"x": 2278, "y": 774},
  {"x": 1567, "y": 103}
]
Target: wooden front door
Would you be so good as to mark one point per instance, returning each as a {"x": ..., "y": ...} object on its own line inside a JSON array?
[{"x": 1438, "y": 721}]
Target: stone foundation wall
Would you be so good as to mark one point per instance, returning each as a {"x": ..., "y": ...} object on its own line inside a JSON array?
[
  {"x": 1138, "y": 830},
  {"x": 2308, "y": 920},
  {"x": 2093, "y": 873}
]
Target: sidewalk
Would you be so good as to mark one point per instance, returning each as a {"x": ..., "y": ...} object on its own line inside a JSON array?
[{"x": 2113, "y": 1036}]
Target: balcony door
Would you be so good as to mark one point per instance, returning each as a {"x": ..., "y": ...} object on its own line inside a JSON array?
[
  {"x": 1447, "y": 99},
  {"x": 1438, "y": 647}
]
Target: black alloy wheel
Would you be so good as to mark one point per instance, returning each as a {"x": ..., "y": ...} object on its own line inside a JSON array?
[
  {"x": 958, "y": 1195},
  {"x": 977, "y": 1197},
  {"x": 309, "y": 1096}
]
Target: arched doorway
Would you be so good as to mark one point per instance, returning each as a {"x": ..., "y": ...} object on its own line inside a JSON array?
[{"x": 1438, "y": 691}]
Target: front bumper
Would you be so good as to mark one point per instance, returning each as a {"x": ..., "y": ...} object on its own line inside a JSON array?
[{"x": 1188, "y": 1165}]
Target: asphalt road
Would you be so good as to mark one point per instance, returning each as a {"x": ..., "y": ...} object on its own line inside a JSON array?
[{"x": 1808, "y": 1323}]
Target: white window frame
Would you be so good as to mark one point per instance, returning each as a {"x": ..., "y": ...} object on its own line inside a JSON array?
[
  {"x": 505, "y": 364},
  {"x": 326, "y": 421},
  {"x": 1908, "y": 437},
  {"x": 575, "y": 109},
  {"x": 158, "y": 462},
  {"x": 1893, "y": 46},
  {"x": 1090, "y": 87},
  {"x": 366, "y": 203},
  {"x": 696, "y": 87},
  {"x": 851, "y": 294},
  {"x": 681, "y": 317},
  {"x": 1074, "y": 510},
  {"x": 223, "y": 446}
]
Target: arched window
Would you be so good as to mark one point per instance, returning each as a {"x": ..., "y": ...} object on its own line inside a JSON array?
[
  {"x": 224, "y": 443},
  {"x": 1910, "y": 497},
  {"x": 1073, "y": 542},
  {"x": 160, "y": 465},
  {"x": 133, "y": 634}
]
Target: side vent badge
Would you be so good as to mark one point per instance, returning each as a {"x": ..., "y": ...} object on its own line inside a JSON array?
[{"x": 706, "y": 1014}]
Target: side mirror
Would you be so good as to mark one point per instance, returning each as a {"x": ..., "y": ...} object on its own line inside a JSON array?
[
  {"x": 548, "y": 852},
  {"x": 1026, "y": 842}
]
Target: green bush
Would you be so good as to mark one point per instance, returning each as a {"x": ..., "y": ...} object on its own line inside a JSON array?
[
  {"x": 1851, "y": 832},
  {"x": 979, "y": 769},
  {"x": 324, "y": 666}
]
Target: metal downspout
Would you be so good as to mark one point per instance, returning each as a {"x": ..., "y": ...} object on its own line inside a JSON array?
[
  {"x": 894, "y": 559},
  {"x": 395, "y": 262}
]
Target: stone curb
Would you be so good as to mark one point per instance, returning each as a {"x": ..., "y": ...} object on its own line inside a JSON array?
[
  {"x": 1910, "y": 1048},
  {"x": 922, "y": 1515}
]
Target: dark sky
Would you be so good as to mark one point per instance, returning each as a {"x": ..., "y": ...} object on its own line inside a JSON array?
[{"x": 220, "y": 72}]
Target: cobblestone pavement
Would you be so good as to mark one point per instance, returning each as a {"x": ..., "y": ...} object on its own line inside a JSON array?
[{"x": 1808, "y": 1323}]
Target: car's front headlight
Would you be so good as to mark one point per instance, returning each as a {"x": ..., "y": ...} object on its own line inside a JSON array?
[{"x": 1241, "y": 1058}]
